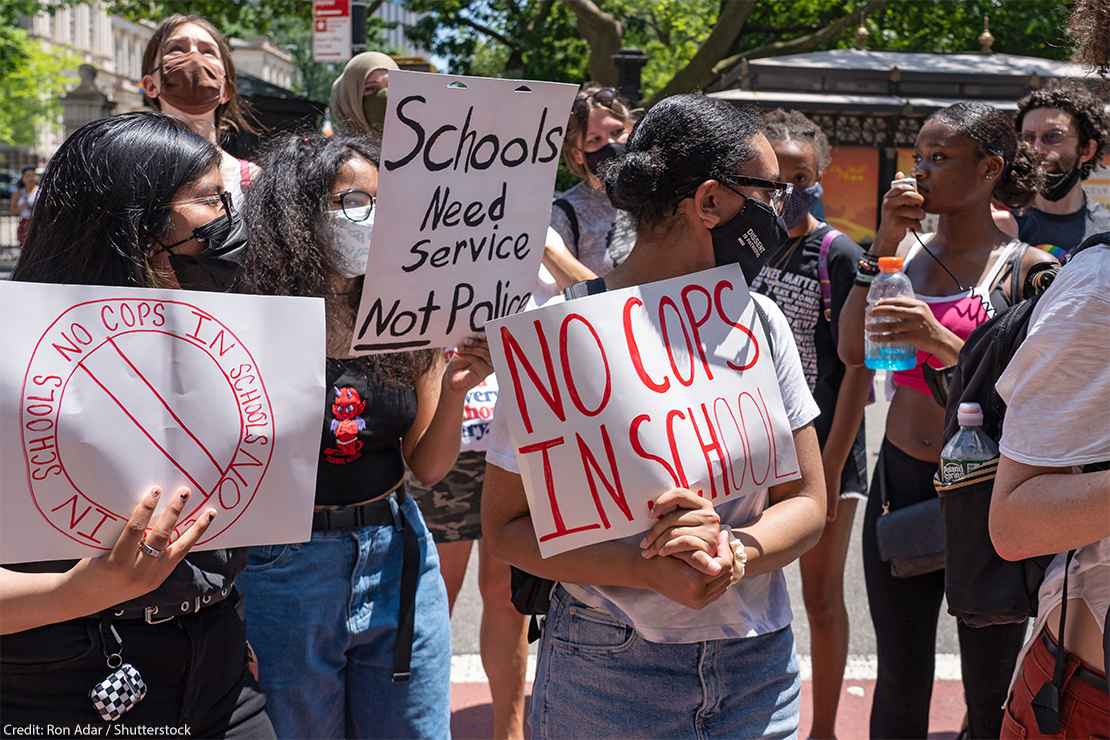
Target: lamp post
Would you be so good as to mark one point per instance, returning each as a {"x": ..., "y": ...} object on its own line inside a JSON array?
[{"x": 630, "y": 64}]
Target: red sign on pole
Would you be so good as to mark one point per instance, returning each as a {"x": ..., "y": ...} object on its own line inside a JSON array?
[{"x": 331, "y": 30}]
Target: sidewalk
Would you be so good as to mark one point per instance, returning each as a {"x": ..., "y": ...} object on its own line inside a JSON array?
[{"x": 472, "y": 713}]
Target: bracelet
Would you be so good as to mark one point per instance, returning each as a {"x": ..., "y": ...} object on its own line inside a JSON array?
[
  {"x": 868, "y": 265},
  {"x": 739, "y": 557}
]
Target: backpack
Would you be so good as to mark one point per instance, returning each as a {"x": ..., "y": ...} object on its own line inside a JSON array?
[
  {"x": 982, "y": 589},
  {"x": 565, "y": 206},
  {"x": 531, "y": 594}
]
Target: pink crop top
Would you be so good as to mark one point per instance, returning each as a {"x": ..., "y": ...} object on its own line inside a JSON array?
[{"x": 961, "y": 314}]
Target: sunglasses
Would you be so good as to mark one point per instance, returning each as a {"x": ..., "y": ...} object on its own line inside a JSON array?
[
  {"x": 1052, "y": 137},
  {"x": 583, "y": 102},
  {"x": 777, "y": 192}
]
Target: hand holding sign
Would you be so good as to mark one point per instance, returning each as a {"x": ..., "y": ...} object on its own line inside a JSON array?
[{"x": 470, "y": 365}]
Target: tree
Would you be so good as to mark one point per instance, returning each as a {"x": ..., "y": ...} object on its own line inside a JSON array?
[{"x": 30, "y": 93}]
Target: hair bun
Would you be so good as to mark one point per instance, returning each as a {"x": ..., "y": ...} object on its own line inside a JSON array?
[{"x": 634, "y": 179}]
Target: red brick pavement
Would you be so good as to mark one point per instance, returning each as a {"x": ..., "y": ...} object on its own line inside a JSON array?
[{"x": 472, "y": 717}]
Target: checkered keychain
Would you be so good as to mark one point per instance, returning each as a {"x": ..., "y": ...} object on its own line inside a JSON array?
[{"x": 123, "y": 688}]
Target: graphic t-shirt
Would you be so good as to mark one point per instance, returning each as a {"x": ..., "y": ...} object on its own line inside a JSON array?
[
  {"x": 605, "y": 235},
  {"x": 365, "y": 418},
  {"x": 1059, "y": 234},
  {"x": 792, "y": 282}
]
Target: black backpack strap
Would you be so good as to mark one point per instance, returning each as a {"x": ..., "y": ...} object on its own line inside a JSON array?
[
  {"x": 583, "y": 288},
  {"x": 566, "y": 207},
  {"x": 766, "y": 321},
  {"x": 1046, "y": 704},
  {"x": 1015, "y": 274}
]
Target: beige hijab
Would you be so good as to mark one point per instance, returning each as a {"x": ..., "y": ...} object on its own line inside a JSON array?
[{"x": 346, "y": 92}]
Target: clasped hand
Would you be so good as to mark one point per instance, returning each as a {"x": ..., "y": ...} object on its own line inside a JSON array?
[{"x": 694, "y": 557}]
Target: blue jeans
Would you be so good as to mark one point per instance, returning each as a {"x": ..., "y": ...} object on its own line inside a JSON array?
[
  {"x": 322, "y": 617},
  {"x": 598, "y": 678}
]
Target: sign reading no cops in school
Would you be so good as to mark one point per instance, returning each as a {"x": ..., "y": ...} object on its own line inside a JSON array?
[{"x": 466, "y": 179}]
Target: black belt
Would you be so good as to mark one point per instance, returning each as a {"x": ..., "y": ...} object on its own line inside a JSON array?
[
  {"x": 158, "y": 613},
  {"x": 1083, "y": 673},
  {"x": 379, "y": 512}
]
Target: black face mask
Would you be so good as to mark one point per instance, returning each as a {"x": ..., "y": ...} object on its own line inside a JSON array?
[
  {"x": 750, "y": 238},
  {"x": 216, "y": 267},
  {"x": 594, "y": 160},
  {"x": 1058, "y": 184},
  {"x": 213, "y": 274}
]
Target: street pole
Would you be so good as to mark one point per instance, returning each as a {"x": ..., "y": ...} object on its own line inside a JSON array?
[
  {"x": 630, "y": 64},
  {"x": 359, "y": 18}
]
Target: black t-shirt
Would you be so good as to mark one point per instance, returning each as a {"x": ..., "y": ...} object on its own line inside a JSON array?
[
  {"x": 1059, "y": 234},
  {"x": 792, "y": 281},
  {"x": 365, "y": 418}
]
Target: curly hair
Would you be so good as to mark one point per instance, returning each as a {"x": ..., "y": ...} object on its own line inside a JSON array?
[
  {"x": 793, "y": 125},
  {"x": 1089, "y": 26},
  {"x": 994, "y": 134},
  {"x": 680, "y": 143},
  {"x": 291, "y": 246},
  {"x": 1084, "y": 108}
]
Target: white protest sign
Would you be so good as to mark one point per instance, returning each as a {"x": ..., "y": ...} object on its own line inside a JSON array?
[
  {"x": 615, "y": 398},
  {"x": 477, "y": 415},
  {"x": 464, "y": 199},
  {"x": 105, "y": 392}
]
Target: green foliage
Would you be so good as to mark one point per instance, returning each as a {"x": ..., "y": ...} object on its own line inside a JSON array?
[{"x": 30, "y": 93}]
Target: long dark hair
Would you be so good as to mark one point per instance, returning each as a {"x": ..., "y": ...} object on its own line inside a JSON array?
[
  {"x": 993, "y": 133},
  {"x": 105, "y": 195},
  {"x": 680, "y": 143},
  {"x": 232, "y": 116},
  {"x": 291, "y": 242}
]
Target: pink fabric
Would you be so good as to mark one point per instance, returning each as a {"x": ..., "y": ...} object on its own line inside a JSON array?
[{"x": 961, "y": 316}]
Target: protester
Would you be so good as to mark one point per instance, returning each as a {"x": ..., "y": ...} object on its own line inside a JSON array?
[
  {"x": 23, "y": 201},
  {"x": 351, "y": 627},
  {"x": 964, "y": 155},
  {"x": 1069, "y": 129},
  {"x": 176, "y": 615},
  {"x": 810, "y": 280},
  {"x": 639, "y": 646},
  {"x": 1039, "y": 505},
  {"x": 597, "y": 235},
  {"x": 358, "y": 95},
  {"x": 188, "y": 74}
]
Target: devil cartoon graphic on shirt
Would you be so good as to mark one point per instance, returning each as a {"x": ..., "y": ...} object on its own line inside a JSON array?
[{"x": 346, "y": 423}]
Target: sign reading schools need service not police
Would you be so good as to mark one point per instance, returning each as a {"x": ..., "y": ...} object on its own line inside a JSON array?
[
  {"x": 615, "y": 398},
  {"x": 464, "y": 199}
]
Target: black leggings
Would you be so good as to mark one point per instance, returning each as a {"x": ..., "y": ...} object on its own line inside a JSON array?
[{"x": 904, "y": 612}]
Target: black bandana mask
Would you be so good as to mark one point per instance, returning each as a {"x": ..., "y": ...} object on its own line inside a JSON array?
[
  {"x": 1058, "y": 184},
  {"x": 750, "y": 238},
  {"x": 594, "y": 160}
]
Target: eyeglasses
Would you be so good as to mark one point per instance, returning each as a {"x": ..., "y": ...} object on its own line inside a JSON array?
[
  {"x": 357, "y": 205},
  {"x": 1052, "y": 137},
  {"x": 605, "y": 97},
  {"x": 777, "y": 192},
  {"x": 222, "y": 198}
]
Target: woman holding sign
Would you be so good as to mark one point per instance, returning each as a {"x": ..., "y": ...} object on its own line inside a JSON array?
[
  {"x": 351, "y": 627},
  {"x": 694, "y": 614},
  {"x": 148, "y": 605}
]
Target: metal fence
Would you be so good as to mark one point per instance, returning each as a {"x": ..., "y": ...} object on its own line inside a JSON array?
[{"x": 9, "y": 245}]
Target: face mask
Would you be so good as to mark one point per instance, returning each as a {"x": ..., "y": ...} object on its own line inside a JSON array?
[
  {"x": 800, "y": 204},
  {"x": 192, "y": 82},
  {"x": 750, "y": 238},
  {"x": 373, "y": 106},
  {"x": 1059, "y": 184},
  {"x": 594, "y": 160},
  {"x": 215, "y": 268},
  {"x": 352, "y": 241}
]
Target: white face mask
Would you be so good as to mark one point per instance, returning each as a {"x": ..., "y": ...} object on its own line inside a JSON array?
[{"x": 352, "y": 241}]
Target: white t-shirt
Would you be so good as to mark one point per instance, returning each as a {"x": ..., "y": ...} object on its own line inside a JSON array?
[
  {"x": 1057, "y": 393},
  {"x": 759, "y": 604}
]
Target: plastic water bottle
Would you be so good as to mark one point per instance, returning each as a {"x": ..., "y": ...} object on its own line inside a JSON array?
[
  {"x": 891, "y": 282},
  {"x": 969, "y": 449}
]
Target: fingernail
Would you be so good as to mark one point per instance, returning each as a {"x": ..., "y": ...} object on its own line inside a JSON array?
[
  {"x": 211, "y": 515},
  {"x": 156, "y": 492},
  {"x": 651, "y": 505},
  {"x": 183, "y": 493}
]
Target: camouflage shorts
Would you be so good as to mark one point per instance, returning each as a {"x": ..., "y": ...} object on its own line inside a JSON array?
[{"x": 452, "y": 507}]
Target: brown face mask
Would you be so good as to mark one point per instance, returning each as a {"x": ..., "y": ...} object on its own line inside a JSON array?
[{"x": 192, "y": 82}]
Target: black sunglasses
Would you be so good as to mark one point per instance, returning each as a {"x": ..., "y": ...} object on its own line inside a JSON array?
[
  {"x": 605, "y": 97},
  {"x": 779, "y": 191}
]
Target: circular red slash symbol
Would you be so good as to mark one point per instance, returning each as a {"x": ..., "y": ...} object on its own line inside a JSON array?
[{"x": 121, "y": 394}]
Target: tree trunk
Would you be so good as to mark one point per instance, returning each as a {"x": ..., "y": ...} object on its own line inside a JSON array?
[
  {"x": 604, "y": 33},
  {"x": 699, "y": 70}
]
